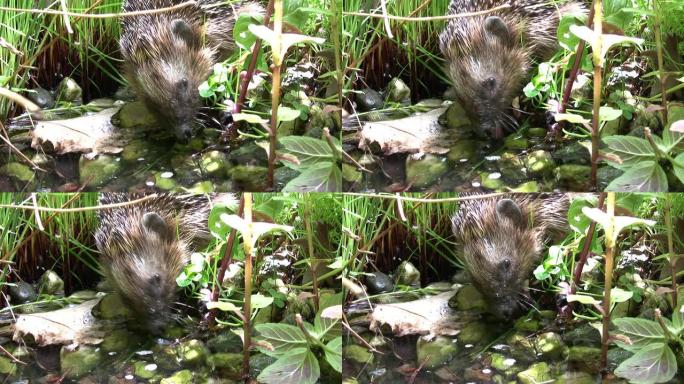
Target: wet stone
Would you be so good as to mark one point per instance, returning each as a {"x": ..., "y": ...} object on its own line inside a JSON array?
[
  {"x": 478, "y": 375},
  {"x": 193, "y": 353},
  {"x": 423, "y": 171},
  {"x": 6, "y": 366},
  {"x": 68, "y": 90},
  {"x": 41, "y": 97},
  {"x": 463, "y": 150},
  {"x": 144, "y": 370},
  {"x": 504, "y": 364},
  {"x": 111, "y": 307},
  {"x": 540, "y": 163},
  {"x": 441, "y": 286},
  {"x": 526, "y": 324},
  {"x": 180, "y": 377},
  {"x": 259, "y": 362},
  {"x": 536, "y": 373},
  {"x": 78, "y": 363},
  {"x": 249, "y": 178},
  {"x": 229, "y": 363},
  {"x": 50, "y": 283},
  {"x": 468, "y": 298},
  {"x": 550, "y": 345},
  {"x": 578, "y": 377},
  {"x": 457, "y": 118},
  {"x": 605, "y": 175},
  {"x": 225, "y": 342},
  {"x": 369, "y": 100},
  {"x": 492, "y": 181},
  {"x": 22, "y": 292},
  {"x": 473, "y": 333},
  {"x": 378, "y": 282},
  {"x": 435, "y": 352},
  {"x": 358, "y": 353},
  {"x": 511, "y": 166},
  {"x": 573, "y": 177},
  {"x": 528, "y": 187},
  {"x": 164, "y": 180},
  {"x": 398, "y": 91},
  {"x": 117, "y": 340},
  {"x": 135, "y": 115},
  {"x": 536, "y": 132},
  {"x": 201, "y": 187},
  {"x": 407, "y": 274},
  {"x": 18, "y": 171},
  {"x": 351, "y": 174},
  {"x": 97, "y": 172},
  {"x": 516, "y": 142},
  {"x": 574, "y": 153}
]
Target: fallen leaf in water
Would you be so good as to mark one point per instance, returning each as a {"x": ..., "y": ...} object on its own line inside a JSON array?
[
  {"x": 430, "y": 316},
  {"x": 86, "y": 134},
  {"x": 68, "y": 326},
  {"x": 420, "y": 133}
]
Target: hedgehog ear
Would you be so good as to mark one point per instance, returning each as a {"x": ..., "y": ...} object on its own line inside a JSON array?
[
  {"x": 181, "y": 29},
  {"x": 154, "y": 223},
  {"x": 507, "y": 208},
  {"x": 495, "y": 26}
]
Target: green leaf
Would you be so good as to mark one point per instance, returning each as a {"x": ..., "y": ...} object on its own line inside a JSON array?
[
  {"x": 283, "y": 337},
  {"x": 631, "y": 150},
  {"x": 287, "y": 114},
  {"x": 257, "y": 229},
  {"x": 224, "y": 306},
  {"x": 642, "y": 177},
  {"x": 327, "y": 328},
  {"x": 641, "y": 332},
  {"x": 333, "y": 353},
  {"x": 286, "y": 40},
  {"x": 584, "y": 299},
  {"x": 619, "y": 222},
  {"x": 217, "y": 227},
  {"x": 241, "y": 35},
  {"x": 618, "y": 295},
  {"x": 678, "y": 317},
  {"x": 588, "y": 35},
  {"x": 250, "y": 118},
  {"x": 321, "y": 177},
  {"x": 308, "y": 150},
  {"x": 609, "y": 114},
  {"x": 567, "y": 39},
  {"x": 678, "y": 166},
  {"x": 260, "y": 301},
  {"x": 576, "y": 219},
  {"x": 297, "y": 367},
  {"x": 655, "y": 363},
  {"x": 571, "y": 118}
]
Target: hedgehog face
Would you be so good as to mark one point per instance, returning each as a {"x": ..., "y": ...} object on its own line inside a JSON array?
[
  {"x": 487, "y": 72},
  {"x": 499, "y": 257},
  {"x": 146, "y": 271},
  {"x": 168, "y": 80}
]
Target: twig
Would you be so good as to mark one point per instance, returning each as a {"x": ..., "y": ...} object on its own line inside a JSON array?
[
  {"x": 102, "y": 15},
  {"x": 428, "y": 18},
  {"x": 81, "y": 209},
  {"x": 419, "y": 200}
]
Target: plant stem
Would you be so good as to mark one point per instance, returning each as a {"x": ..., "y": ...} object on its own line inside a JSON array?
[
  {"x": 598, "y": 68},
  {"x": 661, "y": 66},
  {"x": 670, "y": 248},
  {"x": 577, "y": 275},
  {"x": 313, "y": 263},
  {"x": 247, "y": 308},
  {"x": 227, "y": 259},
  {"x": 275, "y": 91},
  {"x": 608, "y": 279}
]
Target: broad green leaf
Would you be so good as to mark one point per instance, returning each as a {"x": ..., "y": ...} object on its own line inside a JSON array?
[
  {"x": 283, "y": 337},
  {"x": 327, "y": 328},
  {"x": 288, "y": 114},
  {"x": 618, "y": 295},
  {"x": 299, "y": 366},
  {"x": 618, "y": 223},
  {"x": 643, "y": 177},
  {"x": 678, "y": 166},
  {"x": 333, "y": 353},
  {"x": 196, "y": 262},
  {"x": 308, "y": 150},
  {"x": 678, "y": 317},
  {"x": 217, "y": 227},
  {"x": 566, "y": 39},
  {"x": 631, "y": 150},
  {"x": 257, "y": 229},
  {"x": 321, "y": 177},
  {"x": 584, "y": 299},
  {"x": 571, "y": 118},
  {"x": 609, "y": 114},
  {"x": 241, "y": 35},
  {"x": 250, "y": 118},
  {"x": 224, "y": 306},
  {"x": 588, "y": 35},
  {"x": 287, "y": 40},
  {"x": 654, "y": 363},
  {"x": 576, "y": 219},
  {"x": 641, "y": 332},
  {"x": 260, "y": 301}
]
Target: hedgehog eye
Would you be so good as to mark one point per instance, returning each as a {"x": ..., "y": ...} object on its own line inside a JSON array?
[
  {"x": 183, "y": 83},
  {"x": 490, "y": 83},
  {"x": 505, "y": 264}
]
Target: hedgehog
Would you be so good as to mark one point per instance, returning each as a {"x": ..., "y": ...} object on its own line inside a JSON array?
[
  {"x": 500, "y": 240},
  {"x": 489, "y": 56},
  {"x": 168, "y": 55},
  {"x": 145, "y": 246}
]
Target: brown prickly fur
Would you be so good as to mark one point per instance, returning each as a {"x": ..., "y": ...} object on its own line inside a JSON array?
[
  {"x": 499, "y": 251},
  {"x": 167, "y": 56},
  {"x": 141, "y": 261},
  {"x": 488, "y": 65}
]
